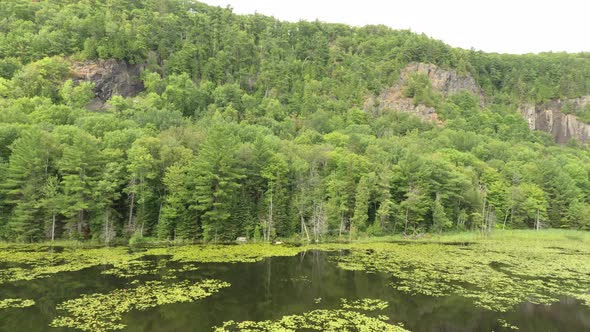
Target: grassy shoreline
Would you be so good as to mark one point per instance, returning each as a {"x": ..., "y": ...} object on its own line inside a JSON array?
[{"x": 450, "y": 237}]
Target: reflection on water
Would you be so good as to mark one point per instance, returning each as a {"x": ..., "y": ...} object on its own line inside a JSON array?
[{"x": 280, "y": 286}]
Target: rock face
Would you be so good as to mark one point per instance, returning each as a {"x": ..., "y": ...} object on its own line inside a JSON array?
[
  {"x": 549, "y": 117},
  {"x": 110, "y": 77},
  {"x": 446, "y": 82}
]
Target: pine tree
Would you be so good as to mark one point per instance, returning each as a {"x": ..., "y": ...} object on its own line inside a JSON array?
[
  {"x": 361, "y": 206},
  {"x": 217, "y": 177},
  {"x": 29, "y": 167},
  {"x": 79, "y": 168}
]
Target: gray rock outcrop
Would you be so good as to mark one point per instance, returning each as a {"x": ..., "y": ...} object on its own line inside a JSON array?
[
  {"x": 550, "y": 117},
  {"x": 110, "y": 77},
  {"x": 443, "y": 81}
]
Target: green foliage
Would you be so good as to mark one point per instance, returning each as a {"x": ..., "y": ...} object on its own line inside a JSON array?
[
  {"x": 419, "y": 88},
  {"x": 77, "y": 96},
  {"x": 217, "y": 184},
  {"x": 41, "y": 78},
  {"x": 439, "y": 217},
  {"x": 9, "y": 66},
  {"x": 138, "y": 241}
]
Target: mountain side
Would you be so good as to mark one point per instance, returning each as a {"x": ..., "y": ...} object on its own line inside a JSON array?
[{"x": 222, "y": 126}]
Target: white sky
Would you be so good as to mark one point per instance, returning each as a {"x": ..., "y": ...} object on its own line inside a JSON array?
[{"x": 504, "y": 26}]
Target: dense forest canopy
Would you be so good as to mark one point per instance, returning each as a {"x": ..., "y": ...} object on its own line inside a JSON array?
[{"x": 249, "y": 126}]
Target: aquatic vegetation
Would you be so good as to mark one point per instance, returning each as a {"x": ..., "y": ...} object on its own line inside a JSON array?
[
  {"x": 16, "y": 303},
  {"x": 364, "y": 304},
  {"x": 133, "y": 268},
  {"x": 34, "y": 261},
  {"x": 103, "y": 312},
  {"x": 497, "y": 274},
  {"x": 337, "y": 320},
  {"x": 225, "y": 253},
  {"x": 345, "y": 319},
  {"x": 28, "y": 263},
  {"x": 506, "y": 325}
]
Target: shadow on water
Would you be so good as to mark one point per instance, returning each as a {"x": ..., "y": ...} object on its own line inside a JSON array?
[{"x": 280, "y": 286}]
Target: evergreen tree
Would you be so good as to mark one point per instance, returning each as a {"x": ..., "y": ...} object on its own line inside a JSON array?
[
  {"x": 29, "y": 167},
  {"x": 217, "y": 177}
]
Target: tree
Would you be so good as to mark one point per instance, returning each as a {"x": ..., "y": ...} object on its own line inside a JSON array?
[
  {"x": 108, "y": 191},
  {"x": 440, "y": 221},
  {"x": 275, "y": 173},
  {"x": 77, "y": 96},
  {"x": 361, "y": 205},
  {"x": 52, "y": 202},
  {"x": 533, "y": 209},
  {"x": 414, "y": 207},
  {"x": 141, "y": 168},
  {"x": 29, "y": 167},
  {"x": 78, "y": 167},
  {"x": 178, "y": 221},
  {"x": 217, "y": 177},
  {"x": 182, "y": 94}
]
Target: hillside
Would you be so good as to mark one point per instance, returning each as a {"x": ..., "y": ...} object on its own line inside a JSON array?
[{"x": 178, "y": 120}]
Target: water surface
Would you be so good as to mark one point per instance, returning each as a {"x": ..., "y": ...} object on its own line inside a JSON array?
[{"x": 278, "y": 286}]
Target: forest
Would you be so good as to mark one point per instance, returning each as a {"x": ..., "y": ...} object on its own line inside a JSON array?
[{"x": 248, "y": 126}]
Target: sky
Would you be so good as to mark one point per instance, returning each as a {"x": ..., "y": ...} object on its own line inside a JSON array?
[{"x": 503, "y": 26}]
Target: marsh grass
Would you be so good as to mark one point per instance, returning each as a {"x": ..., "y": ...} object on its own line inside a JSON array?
[{"x": 479, "y": 237}]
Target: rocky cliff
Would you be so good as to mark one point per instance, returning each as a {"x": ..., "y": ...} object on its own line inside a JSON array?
[
  {"x": 110, "y": 77},
  {"x": 444, "y": 81},
  {"x": 550, "y": 117}
]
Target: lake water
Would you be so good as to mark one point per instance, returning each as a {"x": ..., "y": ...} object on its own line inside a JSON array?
[{"x": 279, "y": 286}]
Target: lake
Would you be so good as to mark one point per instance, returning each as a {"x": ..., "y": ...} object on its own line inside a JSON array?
[{"x": 376, "y": 286}]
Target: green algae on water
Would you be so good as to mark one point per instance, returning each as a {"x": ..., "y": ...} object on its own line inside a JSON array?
[
  {"x": 16, "y": 303},
  {"x": 495, "y": 274},
  {"x": 33, "y": 262},
  {"x": 345, "y": 319},
  {"x": 103, "y": 312},
  {"x": 364, "y": 304},
  {"x": 337, "y": 320},
  {"x": 249, "y": 253}
]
